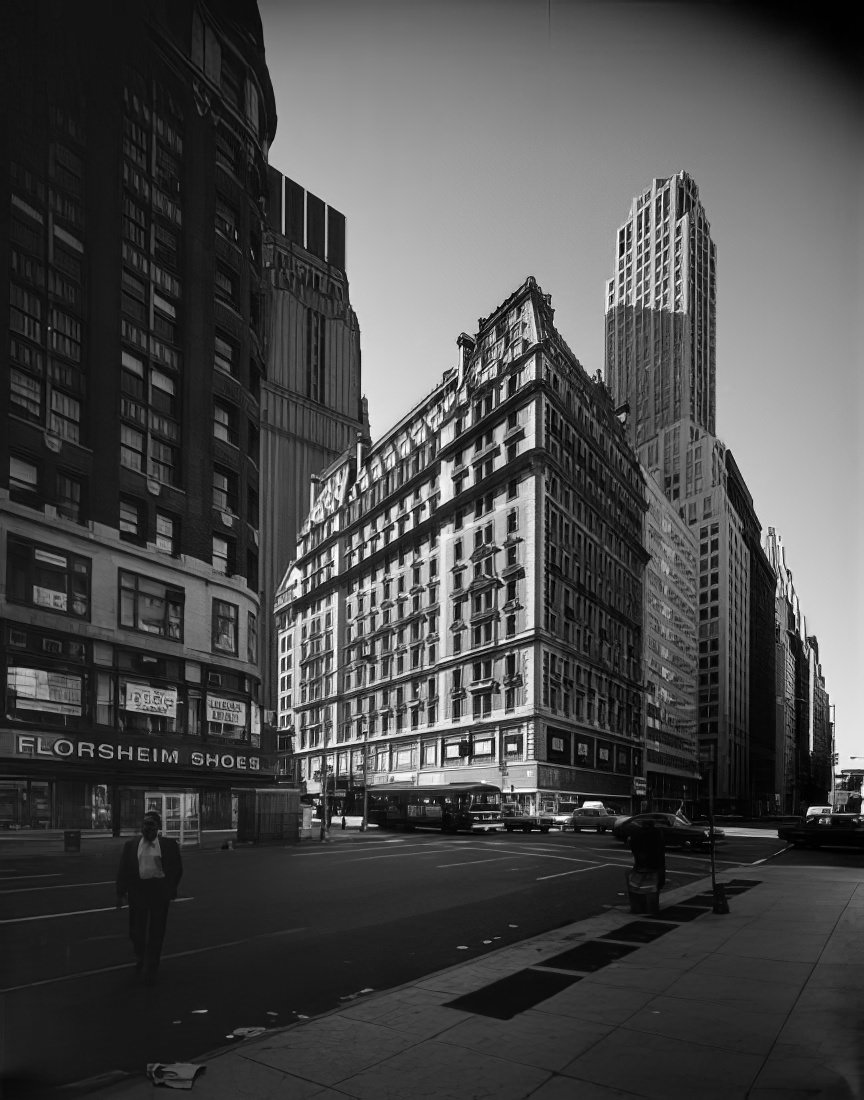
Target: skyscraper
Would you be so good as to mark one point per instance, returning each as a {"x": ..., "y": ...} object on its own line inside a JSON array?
[
  {"x": 311, "y": 403},
  {"x": 660, "y": 330},
  {"x": 660, "y": 362}
]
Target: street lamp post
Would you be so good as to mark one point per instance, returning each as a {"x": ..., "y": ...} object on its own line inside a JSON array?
[
  {"x": 325, "y": 779},
  {"x": 365, "y": 823}
]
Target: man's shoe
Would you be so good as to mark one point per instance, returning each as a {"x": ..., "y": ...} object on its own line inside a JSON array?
[
  {"x": 139, "y": 965},
  {"x": 149, "y": 977}
]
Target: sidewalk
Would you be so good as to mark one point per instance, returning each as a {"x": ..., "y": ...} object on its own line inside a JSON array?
[
  {"x": 765, "y": 1002},
  {"x": 52, "y": 841}
]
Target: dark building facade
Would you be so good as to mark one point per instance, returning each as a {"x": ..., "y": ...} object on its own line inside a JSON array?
[
  {"x": 762, "y": 582},
  {"x": 133, "y": 199}
]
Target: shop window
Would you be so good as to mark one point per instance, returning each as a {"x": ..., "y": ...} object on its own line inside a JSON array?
[
  {"x": 39, "y": 576},
  {"x": 227, "y": 716},
  {"x": 151, "y": 606},
  {"x": 45, "y": 694},
  {"x": 148, "y": 707},
  {"x": 224, "y": 627}
]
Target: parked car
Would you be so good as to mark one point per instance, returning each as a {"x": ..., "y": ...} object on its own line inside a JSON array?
[
  {"x": 678, "y": 832},
  {"x": 829, "y": 829},
  {"x": 514, "y": 817},
  {"x": 561, "y": 817},
  {"x": 591, "y": 817}
]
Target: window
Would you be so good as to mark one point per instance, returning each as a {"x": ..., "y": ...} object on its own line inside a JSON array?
[
  {"x": 226, "y": 219},
  {"x": 166, "y": 533},
  {"x": 131, "y": 448},
  {"x": 40, "y": 576},
  {"x": 25, "y": 391},
  {"x": 23, "y": 480},
  {"x": 223, "y": 555},
  {"x": 47, "y": 695},
  {"x": 224, "y": 635},
  {"x": 133, "y": 526},
  {"x": 65, "y": 416},
  {"x": 151, "y": 606},
  {"x": 225, "y": 283},
  {"x": 252, "y": 638},
  {"x": 163, "y": 462},
  {"x": 224, "y": 490},
  {"x": 68, "y": 497},
  {"x": 225, "y": 354},
  {"x": 225, "y": 423}
]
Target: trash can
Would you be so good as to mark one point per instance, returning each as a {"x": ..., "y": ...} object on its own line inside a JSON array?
[
  {"x": 72, "y": 840},
  {"x": 643, "y": 890}
]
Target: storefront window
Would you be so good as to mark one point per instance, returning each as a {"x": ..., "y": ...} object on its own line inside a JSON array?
[
  {"x": 148, "y": 707},
  {"x": 227, "y": 717},
  {"x": 45, "y": 695}
]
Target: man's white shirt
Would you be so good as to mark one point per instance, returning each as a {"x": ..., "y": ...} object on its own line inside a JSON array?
[{"x": 150, "y": 859}]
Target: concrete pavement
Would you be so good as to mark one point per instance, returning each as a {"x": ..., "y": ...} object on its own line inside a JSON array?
[{"x": 765, "y": 1002}]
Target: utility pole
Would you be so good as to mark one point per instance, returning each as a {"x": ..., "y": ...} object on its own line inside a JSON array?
[{"x": 325, "y": 780}]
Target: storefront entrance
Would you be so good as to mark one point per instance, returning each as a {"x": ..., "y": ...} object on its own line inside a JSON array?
[{"x": 179, "y": 813}]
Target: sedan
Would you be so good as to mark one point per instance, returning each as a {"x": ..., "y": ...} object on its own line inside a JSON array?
[
  {"x": 590, "y": 817},
  {"x": 677, "y": 831},
  {"x": 831, "y": 830}
]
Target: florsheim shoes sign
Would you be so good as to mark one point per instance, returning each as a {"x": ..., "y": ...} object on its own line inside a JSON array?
[{"x": 48, "y": 746}]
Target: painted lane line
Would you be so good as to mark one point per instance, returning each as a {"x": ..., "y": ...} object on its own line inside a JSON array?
[
  {"x": 64, "y": 886},
  {"x": 472, "y": 862},
  {"x": 578, "y": 871},
  {"x": 17, "y": 878},
  {"x": 75, "y": 913},
  {"x": 173, "y": 955}
]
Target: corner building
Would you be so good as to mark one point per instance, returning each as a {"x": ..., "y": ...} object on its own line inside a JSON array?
[
  {"x": 466, "y": 600},
  {"x": 131, "y": 276}
]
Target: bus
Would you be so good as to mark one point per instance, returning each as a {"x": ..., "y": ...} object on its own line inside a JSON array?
[{"x": 452, "y": 808}]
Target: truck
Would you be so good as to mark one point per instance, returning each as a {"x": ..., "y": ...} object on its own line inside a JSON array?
[{"x": 515, "y": 817}]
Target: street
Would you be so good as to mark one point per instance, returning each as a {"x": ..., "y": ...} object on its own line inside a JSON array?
[{"x": 261, "y": 937}]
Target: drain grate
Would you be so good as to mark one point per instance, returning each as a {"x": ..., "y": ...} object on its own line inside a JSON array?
[
  {"x": 590, "y": 956},
  {"x": 639, "y": 931},
  {"x": 507, "y": 998}
]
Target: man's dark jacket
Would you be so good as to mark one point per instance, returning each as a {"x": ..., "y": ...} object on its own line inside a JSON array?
[{"x": 172, "y": 866}]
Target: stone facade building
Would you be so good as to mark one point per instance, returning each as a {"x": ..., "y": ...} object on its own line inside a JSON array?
[{"x": 466, "y": 598}]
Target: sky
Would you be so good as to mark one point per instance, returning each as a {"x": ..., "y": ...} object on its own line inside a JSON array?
[{"x": 471, "y": 143}]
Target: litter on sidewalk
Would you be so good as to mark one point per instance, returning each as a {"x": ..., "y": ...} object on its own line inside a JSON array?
[{"x": 179, "y": 1075}]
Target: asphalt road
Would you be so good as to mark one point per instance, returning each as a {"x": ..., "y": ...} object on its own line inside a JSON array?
[{"x": 263, "y": 937}]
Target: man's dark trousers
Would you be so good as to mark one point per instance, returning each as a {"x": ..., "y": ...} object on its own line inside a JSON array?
[{"x": 148, "y": 913}]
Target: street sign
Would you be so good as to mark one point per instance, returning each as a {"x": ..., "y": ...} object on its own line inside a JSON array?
[{"x": 639, "y": 786}]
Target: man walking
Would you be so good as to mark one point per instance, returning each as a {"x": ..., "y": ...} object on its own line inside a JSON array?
[{"x": 149, "y": 872}]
